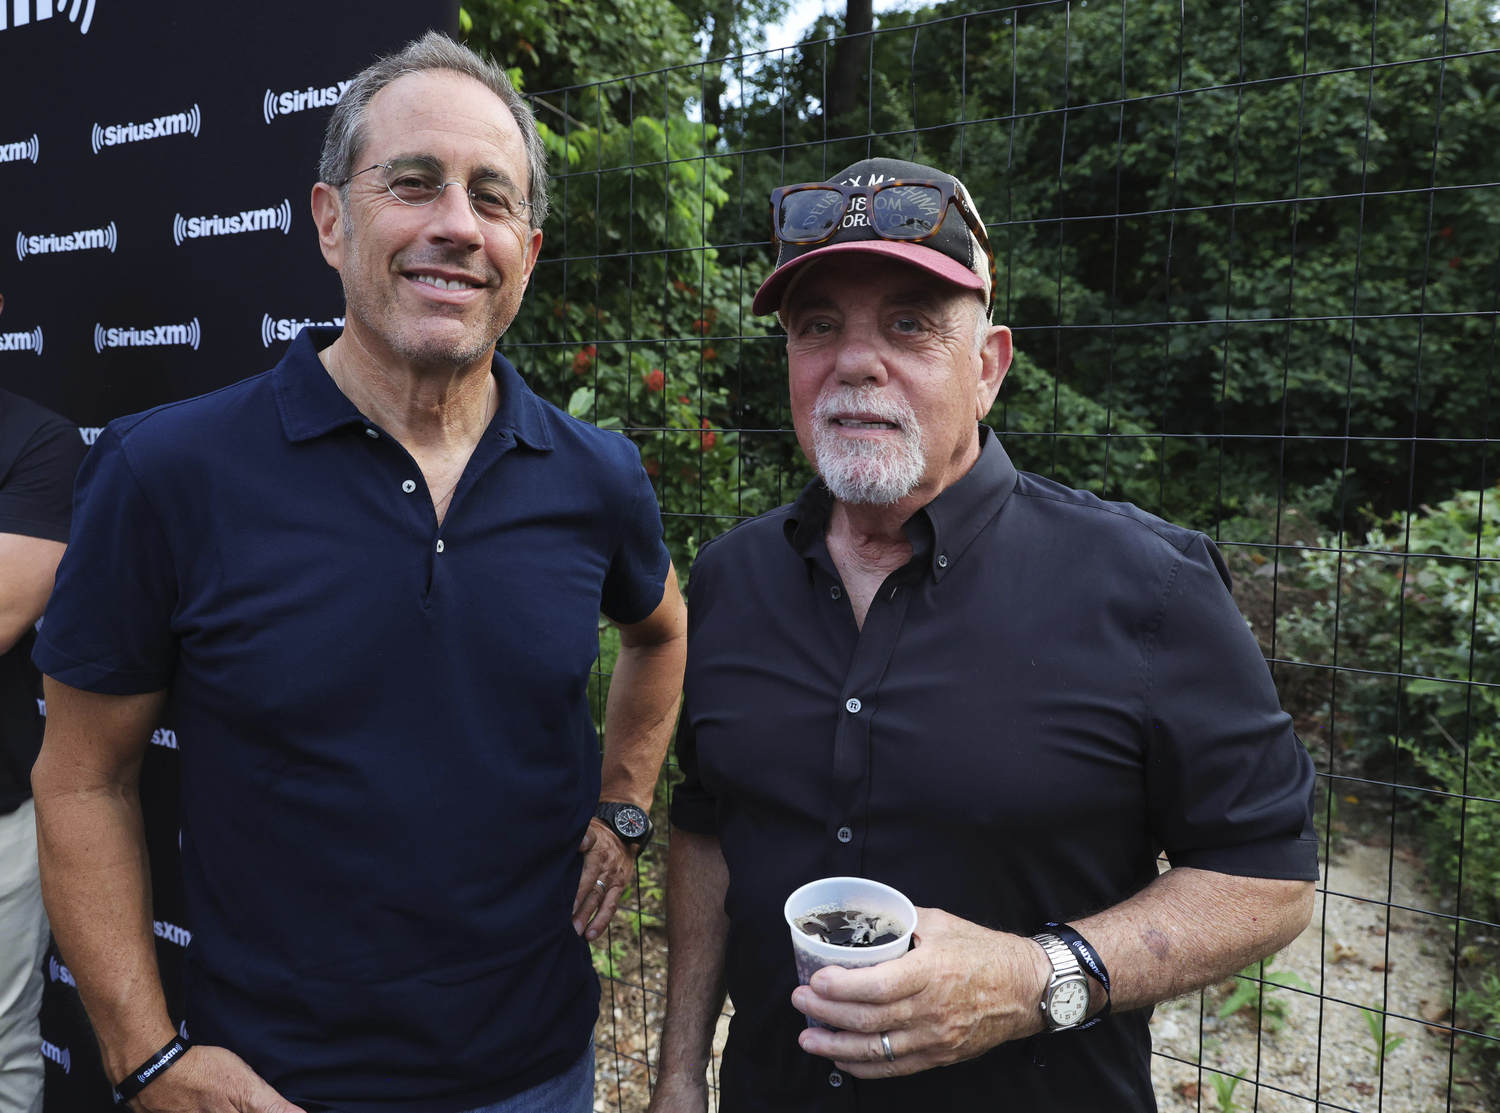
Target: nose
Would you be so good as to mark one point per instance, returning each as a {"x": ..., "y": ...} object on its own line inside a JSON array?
[
  {"x": 453, "y": 218},
  {"x": 858, "y": 361}
]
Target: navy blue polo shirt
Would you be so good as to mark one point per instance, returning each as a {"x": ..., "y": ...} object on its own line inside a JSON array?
[
  {"x": 1052, "y": 692},
  {"x": 388, "y": 759}
]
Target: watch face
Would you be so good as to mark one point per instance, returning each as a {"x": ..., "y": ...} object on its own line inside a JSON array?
[
  {"x": 630, "y": 821},
  {"x": 1069, "y": 1003}
]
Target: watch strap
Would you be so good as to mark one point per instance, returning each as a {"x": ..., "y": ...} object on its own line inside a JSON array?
[
  {"x": 1064, "y": 965},
  {"x": 1091, "y": 961},
  {"x": 606, "y": 813},
  {"x": 137, "y": 1080}
]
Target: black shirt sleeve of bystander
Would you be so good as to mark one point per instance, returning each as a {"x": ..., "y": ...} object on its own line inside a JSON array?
[
  {"x": 694, "y": 808},
  {"x": 1229, "y": 786}
]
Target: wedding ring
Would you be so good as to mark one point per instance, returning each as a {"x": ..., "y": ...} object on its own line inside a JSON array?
[
  {"x": 603, "y": 888},
  {"x": 885, "y": 1042}
]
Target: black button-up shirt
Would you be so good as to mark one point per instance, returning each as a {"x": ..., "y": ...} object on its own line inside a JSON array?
[{"x": 1052, "y": 691}]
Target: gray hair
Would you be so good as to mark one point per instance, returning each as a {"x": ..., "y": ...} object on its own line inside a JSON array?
[{"x": 346, "y": 134}]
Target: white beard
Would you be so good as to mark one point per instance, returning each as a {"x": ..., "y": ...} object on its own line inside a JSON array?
[{"x": 863, "y": 472}]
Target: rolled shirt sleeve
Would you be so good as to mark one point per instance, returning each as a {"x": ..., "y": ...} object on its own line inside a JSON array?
[
  {"x": 1229, "y": 786},
  {"x": 109, "y": 621}
]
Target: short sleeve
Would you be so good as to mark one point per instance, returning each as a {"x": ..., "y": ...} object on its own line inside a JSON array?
[
  {"x": 109, "y": 622},
  {"x": 36, "y": 495},
  {"x": 637, "y": 576},
  {"x": 694, "y": 808},
  {"x": 1229, "y": 786}
]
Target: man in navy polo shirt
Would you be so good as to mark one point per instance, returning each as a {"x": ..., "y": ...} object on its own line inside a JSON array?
[{"x": 367, "y": 584}]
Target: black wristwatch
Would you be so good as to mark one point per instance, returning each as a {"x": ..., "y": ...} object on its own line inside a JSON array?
[{"x": 631, "y": 823}]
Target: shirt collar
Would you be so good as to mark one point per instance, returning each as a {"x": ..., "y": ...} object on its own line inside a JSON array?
[
  {"x": 953, "y": 519},
  {"x": 312, "y": 405}
]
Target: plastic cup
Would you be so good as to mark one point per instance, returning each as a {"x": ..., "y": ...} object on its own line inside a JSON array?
[{"x": 830, "y": 894}]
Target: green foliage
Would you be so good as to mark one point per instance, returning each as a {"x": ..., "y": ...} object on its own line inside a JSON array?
[
  {"x": 1257, "y": 987},
  {"x": 1380, "y": 1048},
  {"x": 1224, "y": 1086}
]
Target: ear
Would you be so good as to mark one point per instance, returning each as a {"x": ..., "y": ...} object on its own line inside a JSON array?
[
  {"x": 533, "y": 252},
  {"x": 994, "y": 361},
  {"x": 327, "y": 214}
]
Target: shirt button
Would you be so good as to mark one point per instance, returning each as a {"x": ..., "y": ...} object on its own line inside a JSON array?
[
  {"x": 372, "y": 434},
  {"x": 943, "y": 560},
  {"x": 836, "y": 1078},
  {"x": 836, "y": 591},
  {"x": 845, "y": 834},
  {"x": 853, "y": 706},
  {"x": 409, "y": 486},
  {"x": 440, "y": 546}
]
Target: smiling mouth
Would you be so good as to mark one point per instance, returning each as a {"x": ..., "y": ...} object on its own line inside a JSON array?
[{"x": 444, "y": 283}]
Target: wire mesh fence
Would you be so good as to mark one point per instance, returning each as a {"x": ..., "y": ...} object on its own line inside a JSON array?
[{"x": 1249, "y": 256}]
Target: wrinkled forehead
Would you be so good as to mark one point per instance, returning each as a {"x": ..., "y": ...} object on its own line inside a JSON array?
[{"x": 445, "y": 116}]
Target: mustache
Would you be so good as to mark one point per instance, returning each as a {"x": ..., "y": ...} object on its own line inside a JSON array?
[{"x": 871, "y": 400}]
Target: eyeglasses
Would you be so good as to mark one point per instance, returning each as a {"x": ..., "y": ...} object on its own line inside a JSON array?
[
  {"x": 420, "y": 181},
  {"x": 905, "y": 210}
]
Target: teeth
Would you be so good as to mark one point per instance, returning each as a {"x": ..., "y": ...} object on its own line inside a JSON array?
[
  {"x": 850, "y": 423},
  {"x": 443, "y": 283}
]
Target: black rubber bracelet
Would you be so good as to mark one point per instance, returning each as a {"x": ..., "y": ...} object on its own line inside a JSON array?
[
  {"x": 136, "y": 1080},
  {"x": 1091, "y": 961}
]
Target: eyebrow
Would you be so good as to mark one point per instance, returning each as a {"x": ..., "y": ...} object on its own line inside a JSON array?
[{"x": 483, "y": 170}]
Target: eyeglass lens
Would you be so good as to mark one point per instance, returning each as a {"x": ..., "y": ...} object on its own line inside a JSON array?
[
  {"x": 906, "y": 212},
  {"x": 416, "y": 181}
]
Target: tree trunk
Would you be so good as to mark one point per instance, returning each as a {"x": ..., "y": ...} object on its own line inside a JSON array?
[{"x": 850, "y": 56}]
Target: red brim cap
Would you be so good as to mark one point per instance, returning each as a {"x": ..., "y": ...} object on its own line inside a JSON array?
[{"x": 768, "y": 297}]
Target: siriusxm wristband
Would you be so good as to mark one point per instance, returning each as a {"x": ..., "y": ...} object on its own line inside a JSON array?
[
  {"x": 1091, "y": 961},
  {"x": 136, "y": 1080}
]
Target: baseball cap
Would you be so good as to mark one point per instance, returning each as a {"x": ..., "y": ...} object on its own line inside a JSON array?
[{"x": 951, "y": 253}]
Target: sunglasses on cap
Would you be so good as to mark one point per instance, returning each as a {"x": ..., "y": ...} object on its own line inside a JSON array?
[{"x": 906, "y": 210}]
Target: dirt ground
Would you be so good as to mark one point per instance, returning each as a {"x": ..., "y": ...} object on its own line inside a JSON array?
[{"x": 1317, "y": 1055}]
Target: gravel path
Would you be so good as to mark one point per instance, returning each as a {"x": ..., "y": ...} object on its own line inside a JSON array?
[{"x": 1360, "y": 955}]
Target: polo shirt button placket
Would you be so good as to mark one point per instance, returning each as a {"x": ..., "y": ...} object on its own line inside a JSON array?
[
  {"x": 371, "y": 433},
  {"x": 853, "y": 706},
  {"x": 845, "y": 834},
  {"x": 409, "y": 485},
  {"x": 836, "y": 1079}
]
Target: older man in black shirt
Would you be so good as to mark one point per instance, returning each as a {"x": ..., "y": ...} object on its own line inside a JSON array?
[{"x": 1004, "y": 697}]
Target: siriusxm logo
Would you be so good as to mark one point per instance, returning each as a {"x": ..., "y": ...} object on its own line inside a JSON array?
[
  {"x": 87, "y": 240},
  {"x": 59, "y": 972},
  {"x": 300, "y": 100},
  {"x": 189, "y": 334},
  {"x": 179, "y": 123},
  {"x": 22, "y": 341},
  {"x": 165, "y": 738},
  {"x": 273, "y": 329},
  {"x": 171, "y": 933},
  {"x": 20, "y": 152},
  {"x": 59, "y": 1055},
  {"x": 247, "y": 220},
  {"x": 90, "y": 433},
  {"x": 23, "y": 12}
]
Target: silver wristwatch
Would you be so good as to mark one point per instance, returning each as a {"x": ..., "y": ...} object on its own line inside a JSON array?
[{"x": 1065, "y": 1001}]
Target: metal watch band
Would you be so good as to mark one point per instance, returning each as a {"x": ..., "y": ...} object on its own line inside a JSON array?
[
  {"x": 136, "y": 1081},
  {"x": 1064, "y": 965}
]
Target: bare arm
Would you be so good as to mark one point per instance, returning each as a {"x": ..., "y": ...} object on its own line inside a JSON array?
[
  {"x": 96, "y": 884},
  {"x": 639, "y": 716},
  {"x": 27, "y": 568},
  {"x": 697, "y": 932},
  {"x": 964, "y": 989}
]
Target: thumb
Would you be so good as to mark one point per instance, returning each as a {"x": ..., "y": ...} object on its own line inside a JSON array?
[
  {"x": 588, "y": 840},
  {"x": 263, "y": 1099}
]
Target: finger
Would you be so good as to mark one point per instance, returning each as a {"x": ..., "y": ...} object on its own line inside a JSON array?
[
  {"x": 261, "y": 1097},
  {"x": 855, "y": 1047},
  {"x": 605, "y": 911},
  {"x": 881, "y": 984},
  {"x": 905, "y": 1064},
  {"x": 589, "y": 838},
  {"x": 853, "y": 1016},
  {"x": 592, "y": 895}
]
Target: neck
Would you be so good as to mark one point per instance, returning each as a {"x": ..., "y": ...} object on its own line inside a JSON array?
[{"x": 421, "y": 405}]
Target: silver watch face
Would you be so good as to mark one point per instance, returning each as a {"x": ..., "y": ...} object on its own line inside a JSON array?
[
  {"x": 630, "y": 821},
  {"x": 1069, "y": 1002}
]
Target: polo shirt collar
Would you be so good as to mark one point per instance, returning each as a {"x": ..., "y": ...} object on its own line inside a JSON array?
[
  {"x": 312, "y": 405},
  {"x": 951, "y": 521}
]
